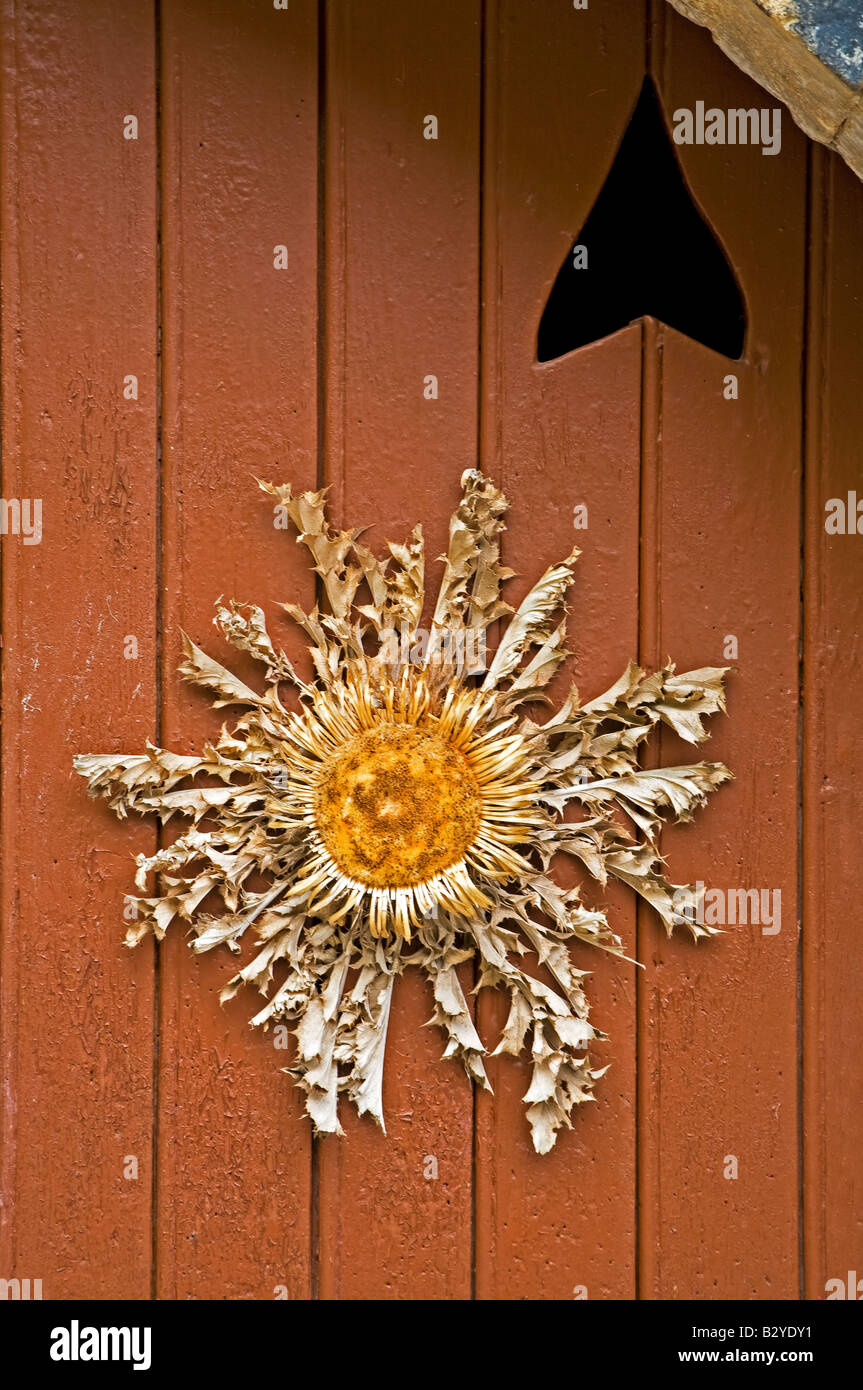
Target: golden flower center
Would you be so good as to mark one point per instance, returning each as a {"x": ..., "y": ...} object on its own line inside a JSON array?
[{"x": 396, "y": 805}]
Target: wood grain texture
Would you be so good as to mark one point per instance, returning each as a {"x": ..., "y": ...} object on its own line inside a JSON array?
[
  {"x": 718, "y": 1020},
  {"x": 822, "y": 104},
  {"x": 402, "y": 259},
  {"x": 557, "y": 434},
  {"x": 79, "y": 314},
  {"x": 833, "y": 614},
  {"x": 239, "y": 162}
]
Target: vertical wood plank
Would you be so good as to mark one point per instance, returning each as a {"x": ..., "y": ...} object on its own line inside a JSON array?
[
  {"x": 832, "y": 760},
  {"x": 718, "y": 1020},
  {"x": 79, "y": 314},
  {"x": 561, "y": 87},
  {"x": 239, "y": 162},
  {"x": 402, "y": 295}
]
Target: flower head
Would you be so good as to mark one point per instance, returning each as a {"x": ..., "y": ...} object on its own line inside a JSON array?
[{"x": 407, "y": 809}]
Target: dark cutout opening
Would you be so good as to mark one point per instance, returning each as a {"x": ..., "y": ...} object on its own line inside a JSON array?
[{"x": 649, "y": 251}]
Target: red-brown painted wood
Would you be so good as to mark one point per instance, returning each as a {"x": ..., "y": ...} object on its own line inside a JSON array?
[
  {"x": 239, "y": 161},
  {"x": 421, "y": 257},
  {"x": 402, "y": 258},
  {"x": 558, "y": 434},
  {"x": 79, "y": 315},
  {"x": 832, "y": 770},
  {"x": 718, "y": 1051}
]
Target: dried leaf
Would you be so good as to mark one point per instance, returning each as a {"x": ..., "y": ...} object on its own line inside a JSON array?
[{"x": 531, "y": 626}]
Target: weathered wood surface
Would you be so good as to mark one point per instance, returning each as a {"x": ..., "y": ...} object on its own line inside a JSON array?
[{"x": 827, "y": 104}]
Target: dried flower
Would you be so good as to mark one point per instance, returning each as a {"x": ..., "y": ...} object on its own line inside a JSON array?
[{"x": 407, "y": 811}]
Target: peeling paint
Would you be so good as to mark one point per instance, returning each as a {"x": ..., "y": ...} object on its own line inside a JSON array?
[
  {"x": 785, "y": 11},
  {"x": 831, "y": 29}
]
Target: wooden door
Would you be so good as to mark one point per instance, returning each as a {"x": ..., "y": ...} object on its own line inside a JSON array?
[{"x": 157, "y": 352}]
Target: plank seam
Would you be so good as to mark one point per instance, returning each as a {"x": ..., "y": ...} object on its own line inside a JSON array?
[
  {"x": 474, "y": 1118},
  {"x": 8, "y": 952},
  {"x": 159, "y": 616},
  {"x": 801, "y": 667},
  {"x": 811, "y": 1212},
  {"x": 321, "y": 401},
  {"x": 648, "y": 634},
  {"x": 649, "y": 561}
]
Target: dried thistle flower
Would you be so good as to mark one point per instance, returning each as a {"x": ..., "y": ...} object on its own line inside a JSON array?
[{"x": 407, "y": 813}]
